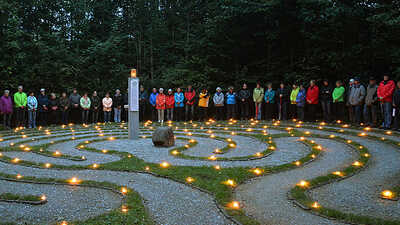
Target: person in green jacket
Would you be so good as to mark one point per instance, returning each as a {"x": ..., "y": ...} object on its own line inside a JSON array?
[
  {"x": 258, "y": 96},
  {"x": 292, "y": 106},
  {"x": 20, "y": 101},
  {"x": 85, "y": 105},
  {"x": 338, "y": 101}
]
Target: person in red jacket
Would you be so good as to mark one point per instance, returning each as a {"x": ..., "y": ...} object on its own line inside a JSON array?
[
  {"x": 385, "y": 96},
  {"x": 170, "y": 103},
  {"x": 312, "y": 99},
  {"x": 160, "y": 105},
  {"x": 190, "y": 95}
]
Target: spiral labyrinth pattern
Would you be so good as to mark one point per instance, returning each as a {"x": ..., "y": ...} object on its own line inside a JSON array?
[{"x": 255, "y": 172}]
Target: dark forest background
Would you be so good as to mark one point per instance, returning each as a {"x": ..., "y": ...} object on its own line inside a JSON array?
[{"x": 93, "y": 44}]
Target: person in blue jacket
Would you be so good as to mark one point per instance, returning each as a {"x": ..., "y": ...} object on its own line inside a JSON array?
[
  {"x": 43, "y": 107},
  {"x": 300, "y": 102},
  {"x": 179, "y": 99},
  {"x": 231, "y": 103},
  {"x": 152, "y": 100},
  {"x": 269, "y": 98}
]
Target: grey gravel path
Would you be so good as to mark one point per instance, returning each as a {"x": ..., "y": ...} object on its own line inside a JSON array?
[
  {"x": 360, "y": 193},
  {"x": 169, "y": 202},
  {"x": 265, "y": 198},
  {"x": 288, "y": 150},
  {"x": 63, "y": 203}
]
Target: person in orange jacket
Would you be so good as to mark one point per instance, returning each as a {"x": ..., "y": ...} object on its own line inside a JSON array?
[
  {"x": 312, "y": 99},
  {"x": 170, "y": 103},
  {"x": 385, "y": 96},
  {"x": 161, "y": 105},
  {"x": 190, "y": 95}
]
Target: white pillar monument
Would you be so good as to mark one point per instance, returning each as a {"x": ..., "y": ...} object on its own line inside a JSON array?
[{"x": 133, "y": 106}]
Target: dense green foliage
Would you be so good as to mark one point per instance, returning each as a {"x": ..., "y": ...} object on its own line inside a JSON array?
[{"x": 92, "y": 44}]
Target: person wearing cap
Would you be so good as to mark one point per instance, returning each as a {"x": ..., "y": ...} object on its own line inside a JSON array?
[
  {"x": 204, "y": 98},
  {"x": 153, "y": 101},
  {"x": 160, "y": 105},
  {"x": 219, "y": 100},
  {"x": 269, "y": 98},
  {"x": 349, "y": 107},
  {"x": 231, "y": 103},
  {"x": 371, "y": 104},
  {"x": 190, "y": 95},
  {"x": 74, "y": 100},
  {"x": 312, "y": 99},
  {"x": 301, "y": 102},
  {"x": 64, "y": 108},
  {"x": 20, "y": 101},
  {"x": 338, "y": 105},
  {"x": 326, "y": 100},
  {"x": 6, "y": 108},
  {"x": 356, "y": 99},
  {"x": 107, "y": 107},
  {"x": 169, "y": 105},
  {"x": 117, "y": 104},
  {"x": 143, "y": 98},
  {"x": 179, "y": 98},
  {"x": 385, "y": 96},
  {"x": 258, "y": 95},
  {"x": 43, "y": 103},
  {"x": 293, "y": 101},
  {"x": 53, "y": 109},
  {"x": 244, "y": 97},
  {"x": 283, "y": 96}
]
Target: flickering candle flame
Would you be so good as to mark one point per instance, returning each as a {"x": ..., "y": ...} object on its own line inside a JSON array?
[
  {"x": 357, "y": 163},
  {"x": 234, "y": 205},
  {"x": 19, "y": 176},
  {"x": 297, "y": 163},
  {"x": 95, "y": 166},
  {"x": 212, "y": 157},
  {"x": 164, "y": 164},
  {"x": 175, "y": 152},
  {"x": 43, "y": 198},
  {"x": 230, "y": 182},
  {"x": 16, "y": 160},
  {"x": 387, "y": 194},
  {"x": 338, "y": 173},
  {"x": 47, "y": 165},
  {"x": 74, "y": 180},
  {"x": 313, "y": 156},
  {"x": 303, "y": 184},
  {"x": 258, "y": 154},
  {"x": 64, "y": 223},
  {"x": 190, "y": 180},
  {"x": 147, "y": 168},
  {"x": 104, "y": 151},
  {"x": 217, "y": 167},
  {"x": 257, "y": 171},
  {"x": 57, "y": 153},
  {"x": 315, "y": 205},
  {"x": 124, "y": 190},
  {"x": 124, "y": 209},
  {"x": 366, "y": 155}
]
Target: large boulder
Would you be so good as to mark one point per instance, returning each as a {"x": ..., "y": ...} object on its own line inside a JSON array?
[{"x": 163, "y": 137}]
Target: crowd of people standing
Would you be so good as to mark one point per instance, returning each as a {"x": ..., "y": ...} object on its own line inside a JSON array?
[{"x": 376, "y": 105}]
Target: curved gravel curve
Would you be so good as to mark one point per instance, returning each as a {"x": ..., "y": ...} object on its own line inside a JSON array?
[
  {"x": 61, "y": 203},
  {"x": 265, "y": 198}
]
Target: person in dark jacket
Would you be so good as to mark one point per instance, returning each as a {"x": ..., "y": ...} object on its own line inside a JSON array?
[
  {"x": 371, "y": 104},
  {"x": 396, "y": 106},
  {"x": 326, "y": 100},
  {"x": 64, "y": 108},
  {"x": 75, "y": 111},
  {"x": 53, "y": 109},
  {"x": 282, "y": 98},
  {"x": 244, "y": 98},
  {"x": 96, "y": 105},
  {"x": 143, "y": 98},
  {"x": 117, "y": 103},
  {"x": 125, "y": 107},
  {"x": 43, "y": 108}
]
